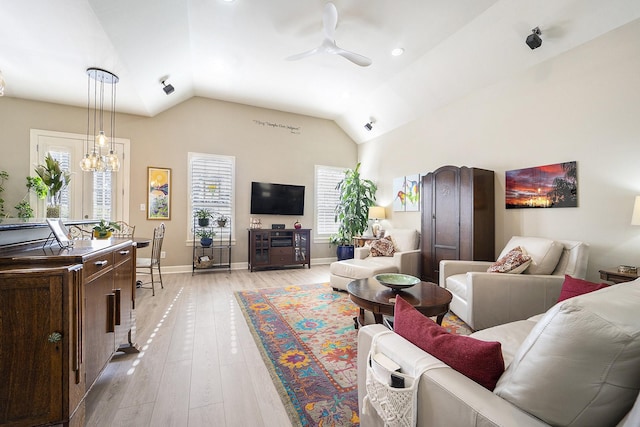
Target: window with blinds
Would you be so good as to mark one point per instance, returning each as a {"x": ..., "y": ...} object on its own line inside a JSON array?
[
  {"x": 102, "y": 195},
  {"x": 211, "y": 185},
  {"x": 327, "y": 198}
]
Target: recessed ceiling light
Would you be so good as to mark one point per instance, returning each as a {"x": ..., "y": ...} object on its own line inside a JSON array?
[{"x": 397, "y": 51}]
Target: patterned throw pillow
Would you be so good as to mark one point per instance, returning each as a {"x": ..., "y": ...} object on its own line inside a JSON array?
[
  {"x": 515, "y": 262},
  {"x": 382, "y": 247}
]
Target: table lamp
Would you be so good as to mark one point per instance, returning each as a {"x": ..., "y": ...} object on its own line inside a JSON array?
[{"x": 376, "y": 213}]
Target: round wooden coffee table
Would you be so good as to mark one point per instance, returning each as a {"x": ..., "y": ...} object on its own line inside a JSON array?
[{"x": 428, "y": 298}]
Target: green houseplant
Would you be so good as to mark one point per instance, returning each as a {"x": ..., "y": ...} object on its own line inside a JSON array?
[
  {"x": 203, "y": 216},
  {"x": 56, "y": 181},
  {"x": 352, "y": 212},
  {"x": 104, "y": 229},
  {"x": 221, "y": 220},
  {"x": 35, "y": 184},
  {"x": 206, "y": 236}
]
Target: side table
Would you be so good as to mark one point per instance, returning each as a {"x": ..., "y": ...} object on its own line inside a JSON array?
[
  {"x": 360, "y": 241},
  {"x": 613, "y": 275}
]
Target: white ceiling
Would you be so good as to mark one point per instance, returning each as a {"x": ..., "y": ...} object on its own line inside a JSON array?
[{"x": 235, "y": 51}]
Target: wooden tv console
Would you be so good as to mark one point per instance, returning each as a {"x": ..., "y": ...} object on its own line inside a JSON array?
[{"x": 279, "y": 247}]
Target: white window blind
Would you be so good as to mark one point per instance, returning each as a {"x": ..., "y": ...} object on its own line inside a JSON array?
[
  {"x": 102, "y": 195},
  {"x": 327, "y": 198},
  {"x": 211, "y": 184},
  {"x": 64, "y": 158}
]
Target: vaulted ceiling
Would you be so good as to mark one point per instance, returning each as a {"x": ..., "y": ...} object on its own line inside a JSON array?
[{"x": 236, "y": 51}]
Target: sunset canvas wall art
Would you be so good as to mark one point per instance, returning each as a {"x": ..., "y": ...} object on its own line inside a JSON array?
[{"x": 550, "y": 186}]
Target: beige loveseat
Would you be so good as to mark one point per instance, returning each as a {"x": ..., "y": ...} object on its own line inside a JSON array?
[
  {"x": 406, "y": 259},
  {"x": 578, "y": 364},
  {"x": 484, "y": 299}
]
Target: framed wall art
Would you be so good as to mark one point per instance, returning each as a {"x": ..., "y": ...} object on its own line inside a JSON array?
[
  {"x": 549, "y": 186},
  {"x": 158, "y": 193},
  {"x": 406, "y": 193}
]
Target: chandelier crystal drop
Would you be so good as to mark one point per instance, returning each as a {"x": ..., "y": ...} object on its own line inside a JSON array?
[{"x": 94, "y": 160}]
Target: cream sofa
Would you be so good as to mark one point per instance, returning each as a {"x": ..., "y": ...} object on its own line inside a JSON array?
[
  {"x": 405, "y": 260},
  {"x": 484, "y": 299},
  {"x": 578, "y": 364}
]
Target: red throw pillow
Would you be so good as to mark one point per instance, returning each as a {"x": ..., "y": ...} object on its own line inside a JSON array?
[
  {"x": 572, "y": 287},
  {"x": 479, "y": 360}
]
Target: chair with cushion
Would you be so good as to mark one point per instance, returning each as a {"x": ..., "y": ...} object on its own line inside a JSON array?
[
  {"x": 148, "y": 265},
  {"x": 397, "y": 252},
  {"x": 126, "y": 230},
  {"x": 522, "y": 283},
  {"x": 578, "y": 364},
  {"x": 77, "y": 232}
]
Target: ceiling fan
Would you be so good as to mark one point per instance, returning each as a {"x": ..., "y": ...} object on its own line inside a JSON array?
[{"x": 328, "y": 45}]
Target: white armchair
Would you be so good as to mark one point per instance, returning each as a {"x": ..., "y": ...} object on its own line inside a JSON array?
[
  {"x": 483, "y": 300},
  {"x": 405, "y": 260}
]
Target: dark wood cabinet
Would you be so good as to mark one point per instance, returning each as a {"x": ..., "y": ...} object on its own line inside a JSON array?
[
  {"x": 63, "y": 314},
  {"x": 41, "y": 360},
  {"x": 458, "y": 217},
  {"x": 279, "y": 248}
]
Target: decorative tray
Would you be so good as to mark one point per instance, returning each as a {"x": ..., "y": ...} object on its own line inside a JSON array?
[{"x": 396, "y": 280}]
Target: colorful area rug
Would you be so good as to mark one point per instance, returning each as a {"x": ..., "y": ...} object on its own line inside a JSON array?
[{"x": 307, "y": 339}]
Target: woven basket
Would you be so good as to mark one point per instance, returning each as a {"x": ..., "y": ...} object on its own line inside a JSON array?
[{"x": 198, "y": 262}]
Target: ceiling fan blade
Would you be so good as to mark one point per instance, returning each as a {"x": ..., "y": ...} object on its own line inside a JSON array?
[
  {"x": 330, "y": 20},
  {"x": 304, "y": 54},
  {"x": 357, "y": 59}
]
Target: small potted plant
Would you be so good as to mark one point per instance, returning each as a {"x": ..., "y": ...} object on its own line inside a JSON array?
[
  {"x": 203, "y": 216},
  {"x": 222, "y": 220},
  {"x": 206, "y": 236},
  {"x": 104, "y": 229}
]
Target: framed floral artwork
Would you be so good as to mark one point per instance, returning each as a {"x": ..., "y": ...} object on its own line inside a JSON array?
[{"x": 158, "y": 193}]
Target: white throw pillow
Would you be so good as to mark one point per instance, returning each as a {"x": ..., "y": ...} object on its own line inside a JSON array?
[
  {"x": 580, "y": 365},
  {"x": 544, "y": 253},
  {"x": 404, "y": 239}
]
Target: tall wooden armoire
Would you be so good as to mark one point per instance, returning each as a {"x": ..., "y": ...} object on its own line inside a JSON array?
[{"x": 458, "y": 217}]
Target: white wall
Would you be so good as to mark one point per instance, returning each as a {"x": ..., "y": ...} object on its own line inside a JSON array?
[{"x": 582, "y": 106}]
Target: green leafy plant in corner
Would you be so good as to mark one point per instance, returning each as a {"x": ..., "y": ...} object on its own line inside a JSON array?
[
  {"x": 103, "y": 228},
  {"x": 35, "y": 184},
  {"x": 352, "y": 212}
]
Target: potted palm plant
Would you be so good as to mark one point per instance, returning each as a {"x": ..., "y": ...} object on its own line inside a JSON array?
[
  {"x": 56, "y": 181},
  {"x": 352, "y": 212}
]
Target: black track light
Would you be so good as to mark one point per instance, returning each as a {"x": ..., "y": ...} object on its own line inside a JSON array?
[
  {"x": 533, "y": 40},
  {"x": 168, "y": 89}
]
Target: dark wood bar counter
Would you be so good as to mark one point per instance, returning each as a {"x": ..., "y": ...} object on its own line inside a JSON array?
[{"x": 65, "y": 312}]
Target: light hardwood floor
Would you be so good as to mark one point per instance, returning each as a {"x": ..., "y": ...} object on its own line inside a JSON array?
[{"x": 198, "y": 364}]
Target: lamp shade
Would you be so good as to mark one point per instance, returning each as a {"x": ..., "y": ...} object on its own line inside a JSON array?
[
  {"x": 635, "y": 218},
  {"x": 376, "y": 212}
]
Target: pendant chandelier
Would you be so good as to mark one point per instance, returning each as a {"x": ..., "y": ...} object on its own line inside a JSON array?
[{"x": 97, "y": 142}]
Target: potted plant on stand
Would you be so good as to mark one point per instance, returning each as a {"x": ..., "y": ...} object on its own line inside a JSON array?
[
  {"x": 352, "y": 212},
  {"x": 206, "y": 236},
  {"x": 221, "y": 220},
  {"x": 203, "y": 216},
  {"x": 56, "y": 181}
]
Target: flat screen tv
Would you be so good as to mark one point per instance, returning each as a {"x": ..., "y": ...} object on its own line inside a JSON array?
[{"x": 277, "y": 199}]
